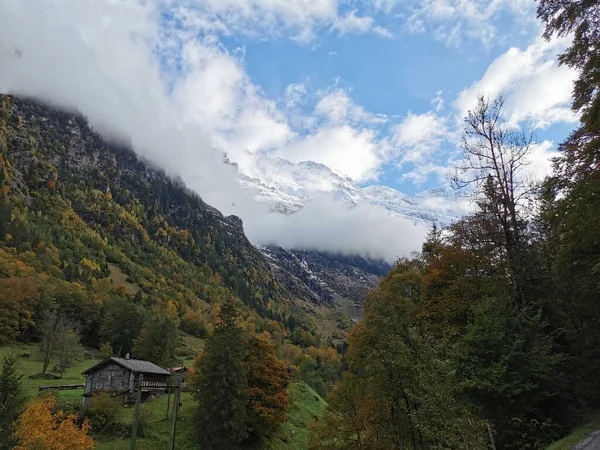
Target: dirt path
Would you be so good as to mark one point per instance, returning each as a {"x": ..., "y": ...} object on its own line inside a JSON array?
[{"x": 592, "y": 442}]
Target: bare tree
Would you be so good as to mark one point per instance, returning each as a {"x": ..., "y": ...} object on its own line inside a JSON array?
[
  {"x": 60, "y": 339},
  {"x": 494, "y": 156}
]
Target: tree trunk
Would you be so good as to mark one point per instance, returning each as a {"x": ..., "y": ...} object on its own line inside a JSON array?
[{"x": 48, "y": 351}]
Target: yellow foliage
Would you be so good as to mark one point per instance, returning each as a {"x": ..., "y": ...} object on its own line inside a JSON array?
[{"x": 39, "y": 428}]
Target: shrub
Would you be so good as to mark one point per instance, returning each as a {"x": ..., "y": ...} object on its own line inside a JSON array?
[{"x": 105, "y": 415}]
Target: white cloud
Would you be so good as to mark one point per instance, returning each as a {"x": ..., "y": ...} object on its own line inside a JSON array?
[
  {"x": 328, "y": 225},
  {"x": 351, "y": 22},
  {"x": 539, "y": 160},
  {"x": 438, "y": 101},
  {"x": 385, "y": 5},
  {"x": 338, "y": 107},
  {"x": 422, "y": 171},
  {"x": 271, "y": 18},
  {"x": 356, "y": 153},
  {"x": 535, "y": 87},
  {"x": 342, "y": 135},
  {"x": 453, "y": 21},
  {"x": 418, "y": 135},
  {"x": 294, "y": 94}
]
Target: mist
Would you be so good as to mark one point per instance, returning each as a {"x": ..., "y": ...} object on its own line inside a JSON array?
[{"x": 180, "y": 101}]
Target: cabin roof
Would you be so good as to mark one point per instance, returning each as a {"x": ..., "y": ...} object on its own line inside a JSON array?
[{"x": 135, "y": 365}]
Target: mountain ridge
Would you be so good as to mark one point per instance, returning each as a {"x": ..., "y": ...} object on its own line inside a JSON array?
[{"x": 286, "y": 187}]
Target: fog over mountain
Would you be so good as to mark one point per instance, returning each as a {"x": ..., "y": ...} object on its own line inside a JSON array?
[{"x": 114, "y": 64}]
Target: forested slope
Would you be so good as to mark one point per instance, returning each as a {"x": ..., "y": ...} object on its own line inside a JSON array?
[{"x": 74, "y": 207}]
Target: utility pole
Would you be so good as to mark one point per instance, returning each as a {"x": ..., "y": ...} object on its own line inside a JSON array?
[
  {"x": 175, "y": 411},
  {"x": 169, "y": 386},
  {"x": 136, "y": 413}
]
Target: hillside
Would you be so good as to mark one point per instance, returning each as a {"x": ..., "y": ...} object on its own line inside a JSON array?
[
  {"x": 95, "y": 209},
  {"x": 124, "y": 259}
]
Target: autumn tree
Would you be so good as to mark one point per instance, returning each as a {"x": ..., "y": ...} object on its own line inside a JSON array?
[
  {"x": 41, "y": 428},
  {"x": 11, "y": 400},
  {"x": 268, "y": 381},
  {"x": 18, "y": 300},
  {"x": 222, "y": 384}
]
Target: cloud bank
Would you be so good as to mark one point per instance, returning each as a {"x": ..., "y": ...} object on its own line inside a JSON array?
[{"x": 177, "y": 96}]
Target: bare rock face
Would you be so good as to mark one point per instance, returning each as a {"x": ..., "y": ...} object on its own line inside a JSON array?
[{"x": 325, "y": 278}]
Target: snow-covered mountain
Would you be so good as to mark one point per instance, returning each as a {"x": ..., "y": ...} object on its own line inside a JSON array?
[
  {"x": 287, "y": 187},
  {"x": 320, "y": 277}
]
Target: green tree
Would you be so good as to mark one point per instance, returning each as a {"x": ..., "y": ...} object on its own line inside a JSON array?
[
  {"x": 158, "y": 340},
  {"x": 121, "y": 323},
  {"x": 398, "y": 391},
  {"x": 67, "y": 348},
  {"x": 507, "y": 366},
  {"x": 11, "y": 400},
  {"x": 580, "y": 152},
  {"x": 572, "y": 201},
  {"x": 222, "y": 384}
]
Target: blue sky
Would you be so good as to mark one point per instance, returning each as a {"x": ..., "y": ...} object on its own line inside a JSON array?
[
  {"x": 402, "y": 70},
  {"x": 375, "y": 89}
]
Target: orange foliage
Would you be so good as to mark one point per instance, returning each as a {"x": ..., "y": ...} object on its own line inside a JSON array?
[
  {"x": 39, "y": 428},
  {"x": 268, "y": 381},
  {"x": 18, "y": 299}
]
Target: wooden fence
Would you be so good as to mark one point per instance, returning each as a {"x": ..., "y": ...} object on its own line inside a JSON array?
[{"x": 62, "y": 387}]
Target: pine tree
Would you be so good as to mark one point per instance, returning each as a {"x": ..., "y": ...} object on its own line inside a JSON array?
[
  {"x": 222, "y": 384},
  {"x": 11, "y": 400}
]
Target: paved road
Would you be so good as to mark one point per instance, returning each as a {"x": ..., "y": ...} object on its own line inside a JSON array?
[{"x": 592, "y": 442}]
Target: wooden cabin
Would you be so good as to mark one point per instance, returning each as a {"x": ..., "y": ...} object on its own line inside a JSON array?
[{"x": 119, "y": 376}]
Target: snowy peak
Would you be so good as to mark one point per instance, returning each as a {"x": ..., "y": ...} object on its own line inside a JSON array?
[{"x": 287, "y": 187}]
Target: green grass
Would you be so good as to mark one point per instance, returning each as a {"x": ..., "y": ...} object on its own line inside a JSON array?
[
  {"x": 120, "y": 278},
  {"x": 577, "y": 436},
  {"x": 305, "y": 405},
  {"x": 189, "y": 347},
  {"x": 33, "y": 364},
  {"x": 157, "y": 428}
]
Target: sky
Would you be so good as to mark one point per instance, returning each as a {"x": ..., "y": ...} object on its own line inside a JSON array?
[{"x": 375, "y": 89}]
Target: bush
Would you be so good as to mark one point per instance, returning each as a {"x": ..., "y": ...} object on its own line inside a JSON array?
[
  {"x": 68, "y": 405},
  {"x": 105, "y": 415}
]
